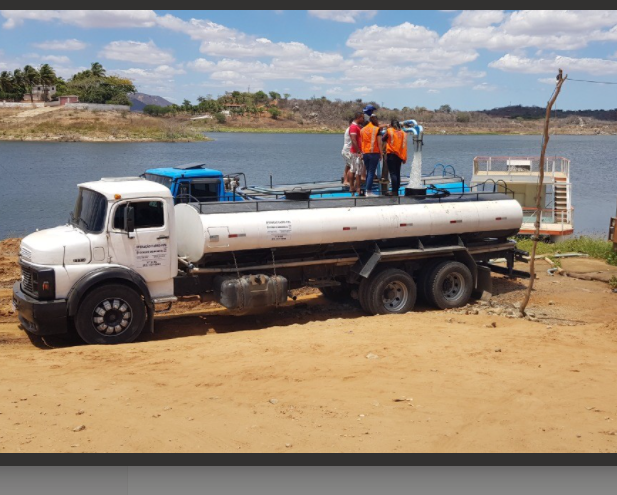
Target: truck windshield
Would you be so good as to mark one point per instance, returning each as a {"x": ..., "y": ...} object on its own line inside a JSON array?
[
  {"x": 89, "y": 212},
  {"x": 166, "y": 181}
]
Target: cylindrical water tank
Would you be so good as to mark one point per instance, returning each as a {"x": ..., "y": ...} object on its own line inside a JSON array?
[{"x": 206, "y": 233}]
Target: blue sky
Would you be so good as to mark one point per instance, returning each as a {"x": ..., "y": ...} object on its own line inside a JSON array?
[{"x": 470, "y": 60}]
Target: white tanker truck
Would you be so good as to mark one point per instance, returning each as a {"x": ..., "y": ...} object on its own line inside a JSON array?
[{"x": 127, "y": 253}]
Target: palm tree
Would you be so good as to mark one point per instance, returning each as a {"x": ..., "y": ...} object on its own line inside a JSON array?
[
  {"x": 48, "y": 78},
  {"x": 18, "y": 81},
  {"x": 97, "y": 70},
  {"x": 6, "y": 82},
  {"x": 31, "y": 78}
]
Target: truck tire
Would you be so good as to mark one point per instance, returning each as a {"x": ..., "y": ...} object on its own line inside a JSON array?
[
  {"x": 423, "y": 279},
  {"x": 391, "y": 291},
  {"x": 449, "y": 285},
  {"x": 110, "y": 314}
]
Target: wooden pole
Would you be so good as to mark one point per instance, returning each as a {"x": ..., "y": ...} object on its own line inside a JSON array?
[{"x": 536, "y": 237}]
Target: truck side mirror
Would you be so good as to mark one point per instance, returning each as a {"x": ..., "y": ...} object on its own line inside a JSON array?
[{"x": 129, "y": 219}]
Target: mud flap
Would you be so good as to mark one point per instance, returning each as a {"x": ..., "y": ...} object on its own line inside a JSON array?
[
  {"x": 366, "y": 264},
  {"x": 484, "y": 284}
]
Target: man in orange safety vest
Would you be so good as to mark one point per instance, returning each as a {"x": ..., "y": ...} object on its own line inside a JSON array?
[{"x": 396, "y": 153}]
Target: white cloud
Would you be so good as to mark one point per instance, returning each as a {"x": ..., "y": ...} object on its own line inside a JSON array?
[
  {"x": 363, "y": 90},
  {"x": 544, "y": 29},
  {"x": 335, "y": 90},
  {"x": 16, "y": 18},
  {"x": 304, "y": 68},
  {"x": 83, "y": 18},
  {"x": 514, "y": 63},
  {"x": 547, "y": 22},
  {"x": 56, "y": 59},
  {"x": 220, "y": 41},
  {"x": 199, "y": 29},
  {"x": 348, "y": 16},
  {"x": 136, "y": 51},
  {"x": 61, "y": 45},
  {"x": 377, "y": 37},
  {"x": 548, "y": 80},
  {"x": 201, "y": 65},
  {"x": 406, "y": 43},
  {"x": 485, "y": 87},
  {"x": 160, "y": 79},
  {"x": 433, "y": 91},
  {"x": 479, "y": 18},
  {"x": 162, "y": 72}
]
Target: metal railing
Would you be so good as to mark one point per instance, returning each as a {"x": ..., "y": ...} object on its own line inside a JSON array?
[
  {"x": 563, "y": 217},
  {"x": 517, "y": 164},
  {"x": 350, "y": 202}
]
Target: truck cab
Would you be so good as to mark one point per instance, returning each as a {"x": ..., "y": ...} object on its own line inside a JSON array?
[
  {"x": 118, "y": 248},
  {"x": 194, "y": 182}
]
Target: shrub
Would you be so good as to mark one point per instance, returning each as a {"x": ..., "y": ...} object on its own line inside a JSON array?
[
  {"x": 463, "y": 117},
  {"x": 220, "y": 117}
]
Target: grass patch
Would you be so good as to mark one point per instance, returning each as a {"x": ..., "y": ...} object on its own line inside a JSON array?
[{"x": 593, "y": 246}]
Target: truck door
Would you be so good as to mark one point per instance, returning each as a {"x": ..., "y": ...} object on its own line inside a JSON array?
[{"x": 147, "y": 250}]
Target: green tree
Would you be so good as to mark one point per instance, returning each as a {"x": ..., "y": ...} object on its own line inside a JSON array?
[
  {"x": 274, "y": 95},
  {"x": 7, "y": 82},
  {"x": 445, "y": 109},
  {"x": 187, "y": 106},
  {"x": 260, "y": 97},
  {"x": 18, "y": 80},
  {"x": 48, "y": 78},
  {"x": 274, "y": 112},
  {"x": 463, "y": 117},
  {"x": 99, "y": 88},
  {"x": 97, "y": 70},
  {"x": 287, "y": 95},
  {"x": 30, "y": 79}
]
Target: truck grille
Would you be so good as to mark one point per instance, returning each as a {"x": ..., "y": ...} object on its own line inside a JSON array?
[
  {"x": 26, "y": 280},
  {"x": 25, "y": 254}
]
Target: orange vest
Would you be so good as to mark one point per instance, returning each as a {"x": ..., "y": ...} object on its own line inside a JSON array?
[
  {"x": 370, "y": 139},
  {"x": 397, "y": 144}
]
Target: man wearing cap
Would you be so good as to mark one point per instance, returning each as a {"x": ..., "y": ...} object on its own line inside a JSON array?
[{"x": 371, "y": 150}]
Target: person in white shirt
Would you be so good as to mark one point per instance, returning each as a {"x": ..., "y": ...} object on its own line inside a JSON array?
[{"x": 346, "y": 152}]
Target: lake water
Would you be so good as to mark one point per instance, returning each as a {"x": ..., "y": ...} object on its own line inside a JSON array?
[{"x": 38, "y": 185}]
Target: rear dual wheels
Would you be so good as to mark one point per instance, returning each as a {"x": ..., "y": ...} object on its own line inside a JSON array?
[
  {"x": 391, "y": 291},
  {"x": 444, "y": 284}
]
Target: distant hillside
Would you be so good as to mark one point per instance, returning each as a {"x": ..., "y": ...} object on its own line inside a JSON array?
[
  {"x": 140, "y": 100},
  {"x": 534, "y": 112}
]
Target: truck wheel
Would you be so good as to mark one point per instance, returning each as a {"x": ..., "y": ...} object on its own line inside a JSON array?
[
  {"x": 110, "y": 314},
  {"x": 449, "y": 285},
  {"x": 391, "y": 291},
  {"x": 423, "y": 276}
]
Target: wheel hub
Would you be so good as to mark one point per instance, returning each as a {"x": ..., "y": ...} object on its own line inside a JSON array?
[
  {"x": 453, "y": 286},
  {"x": 112, "y": 316},
  {"x": 395, "y": 296}
]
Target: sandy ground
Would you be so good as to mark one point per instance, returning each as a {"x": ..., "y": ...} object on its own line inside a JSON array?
[{"x": 320, "y": 377}]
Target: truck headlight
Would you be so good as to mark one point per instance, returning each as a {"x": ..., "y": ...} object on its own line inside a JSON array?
[{"x": 38, "y": 282}]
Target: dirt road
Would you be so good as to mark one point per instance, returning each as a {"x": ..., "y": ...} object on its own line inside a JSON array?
[{"x": 320, "y": 377}]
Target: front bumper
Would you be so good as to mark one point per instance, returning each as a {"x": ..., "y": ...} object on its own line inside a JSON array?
[{"x": 40, "y": 317}]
